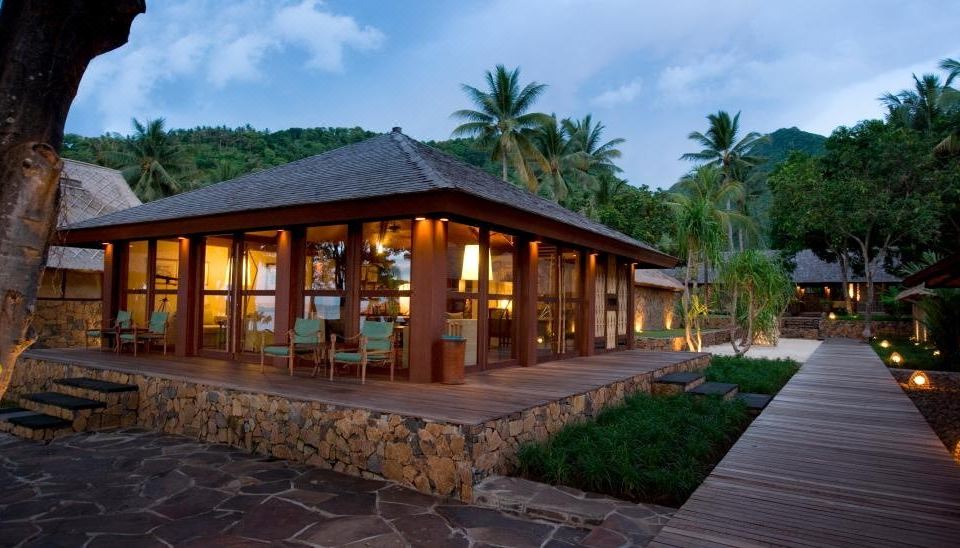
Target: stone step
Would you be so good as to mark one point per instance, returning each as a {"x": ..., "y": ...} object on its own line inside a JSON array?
[
  {"x": 677, "y": 383},
  {"x": 725, "y": 390},
  {"x": 121, "y": 396},
  {"x": 72, "y": 408},
  {"x": 755, "y": 402},
  {"x": 31, "y": 425}
]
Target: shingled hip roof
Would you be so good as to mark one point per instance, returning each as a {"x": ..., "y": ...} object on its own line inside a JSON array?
[{"x": 388, "y": 164}]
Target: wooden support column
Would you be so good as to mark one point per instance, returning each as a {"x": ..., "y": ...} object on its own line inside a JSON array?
[
  {"x": 354, "y": 252},
  {"x": 483, "y": 300},
  {"x": 631, "y": 305},
  {"x": 110, "y": 288},
  {"x": 589, "y": 322},
  {"x": 427, "y": 299},
  {"x": 185, "y": 343},
  {"x": 286, "y": 278},
  {"x": 526, "y": 311}
]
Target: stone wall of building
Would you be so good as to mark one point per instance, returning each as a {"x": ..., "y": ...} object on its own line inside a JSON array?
[
  {"x": 676, "y": 344},
  {"x": 432, "y": 457},
  {"x": 654, "y": 308},
  {"x": 61, "y": 323}
]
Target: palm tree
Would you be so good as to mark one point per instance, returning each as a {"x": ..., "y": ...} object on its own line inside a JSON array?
[
  {"x": 918, "y": 108},
  {"x": 503, "y": 121},
  {"x": 594, "y": 155},
  {"x": 150, "y": 160},
  {"x": 951, "y": 143},
  {"x": 556, "y": 156},
  {"x": 699, "y": 235},
  {"x": 725, "y": 149}
]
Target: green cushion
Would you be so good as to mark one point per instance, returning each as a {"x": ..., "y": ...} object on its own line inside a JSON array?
[
  {"x": 276, "y": 350},
  {"x": 126, "y": 336},
  {"x": 349, "y": 357},
  {"x": 93, "y": 333},
  {"x": 124, "y": 318},
  {"x": 378, "y": 344},
  {"x": 307, "y": 330},
  {"x": 377, "y": 330},
  {"x": 158, "y": 322}
]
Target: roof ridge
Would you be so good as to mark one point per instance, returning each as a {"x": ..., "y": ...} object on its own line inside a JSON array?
[{"x": 428, "y": 170}]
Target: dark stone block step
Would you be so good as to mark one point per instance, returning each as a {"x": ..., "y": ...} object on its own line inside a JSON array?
[
  {"x": 723, "y": 389},
  {"x": 95, "y": 385},
  {"x": 680, "y": 378},
  {"x": 36, "y": 421},
  {"x": 64, "y": 401},
  {"x": 9, "y": 412},
  {"x": 755, "y": 402}
]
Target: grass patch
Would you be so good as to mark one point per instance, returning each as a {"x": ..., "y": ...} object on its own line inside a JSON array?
[
  {"x": 667, "y": 333},
  {"x": 914, "y": 356},
  {"x": 649, "y": 449},
  {"x": 759, "y": 375}
]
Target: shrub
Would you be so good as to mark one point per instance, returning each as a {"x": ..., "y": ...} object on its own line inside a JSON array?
[
  {"x": 651, "y": 449},
  {"x": 760, "y": 375}
]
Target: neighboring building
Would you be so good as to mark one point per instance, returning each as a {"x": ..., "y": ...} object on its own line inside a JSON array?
[
  {"x": 385, "y": 229},
  {"x": 819, "y": 284},
  {"x": 655, "y": 298},
  {"x": 941, "y": 274},
  {"x": 70, "y": 288}
]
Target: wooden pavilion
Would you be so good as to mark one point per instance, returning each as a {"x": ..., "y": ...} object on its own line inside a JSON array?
[{"x": 387, "y": 229}]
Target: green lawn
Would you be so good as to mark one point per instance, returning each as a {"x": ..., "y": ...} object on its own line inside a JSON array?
[
  {"x": 759, "y": 375},
  {"x": 650, "y": 449},
  {"x": 914, "y": 356}
]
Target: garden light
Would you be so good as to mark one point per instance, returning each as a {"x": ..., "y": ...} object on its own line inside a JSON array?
[
  {"x": 896, "y": 358},
  {"x": 884, "y": 343},
  {"x": 832, "y": 316},
  {"x": 936, "y": 352},
  {"x": 919, "y": 379}
]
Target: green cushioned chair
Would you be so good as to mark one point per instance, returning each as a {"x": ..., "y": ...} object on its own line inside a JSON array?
[
  {"x": 375, "y": 346},
  {"x": 156, "y": 331},
  {"x": 305, "y": 339},
  {"x": 122, "y": 321}
]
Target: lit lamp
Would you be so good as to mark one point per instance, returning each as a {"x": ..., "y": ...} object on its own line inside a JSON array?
[
  {"x": 884, "y": 343},
  {"x": 832, "y": 316},
  {"x": 919, "y": 379},
  {"x": 470, "y": 270},
  {"x": 936, "y": 352},
  {"x": 896, "y": 359}
]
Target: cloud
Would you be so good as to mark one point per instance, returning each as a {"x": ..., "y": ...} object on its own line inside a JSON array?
[
  {"x": 625, "y": 93},
  {"x": 239, "y": 60},
  {"x": 323, "y": 34}
]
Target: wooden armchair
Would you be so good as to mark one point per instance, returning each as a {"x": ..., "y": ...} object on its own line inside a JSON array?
[
  {"x": 305, "y": 339},
  {"x": 109, "y": 329},
  {"x": 156, "y": 330},
  {"x": 375, "y": 346}
]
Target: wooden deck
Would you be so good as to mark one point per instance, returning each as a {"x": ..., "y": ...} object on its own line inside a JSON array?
[
  {"x": 841, "y": 457},
  {"x": 485, "y": 396}
]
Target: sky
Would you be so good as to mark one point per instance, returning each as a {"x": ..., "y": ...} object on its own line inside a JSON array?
[{"x": 650, "y": 71}]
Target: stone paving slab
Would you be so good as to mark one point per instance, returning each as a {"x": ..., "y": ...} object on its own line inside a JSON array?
[{"x": 136, "y": 488}]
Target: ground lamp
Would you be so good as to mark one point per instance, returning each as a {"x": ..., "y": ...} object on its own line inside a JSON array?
[
  {"x": 832, "y": 316},
  {"x": 936, "y": 352},
  {"x": 919, "y": 379},
  {"x": 896, "y": 358},
  {"x": 884, "y": 343}
]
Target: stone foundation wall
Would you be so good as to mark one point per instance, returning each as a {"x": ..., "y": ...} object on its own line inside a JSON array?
[
  {"x": 654, "y": 308},
  {"x": 62, "y": 323},
  {"x": 676, "y": 344},
  {"x": 432, "y": 457},
  {"x": 852, "y": 329}
]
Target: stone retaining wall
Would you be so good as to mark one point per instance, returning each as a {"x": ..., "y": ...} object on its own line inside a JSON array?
[
  {"x": 432, "y": 457},
  {"x": 853, "y": 329},
  {"x": 62, "y": 323},
  {"x": 677, "y": 344}
]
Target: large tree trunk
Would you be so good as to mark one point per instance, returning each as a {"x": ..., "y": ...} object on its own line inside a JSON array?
[
  {"x": 44, "y": 50},
  {"x": 845, "y": 279}
]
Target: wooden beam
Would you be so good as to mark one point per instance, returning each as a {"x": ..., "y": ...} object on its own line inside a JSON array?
[
  {"x": 588, "y": 327},
  {"x": 285, "y": 290},
  {"x": 187, "y": 291},
  {"x": 110, "y": 288},
  {"x": 631, "y": 305}
]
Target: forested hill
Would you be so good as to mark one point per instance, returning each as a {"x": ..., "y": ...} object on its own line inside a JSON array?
[{"x": 782, "y": 142}]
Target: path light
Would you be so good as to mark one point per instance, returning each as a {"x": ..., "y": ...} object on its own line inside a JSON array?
[
  {"x": 884, "y": 343},
  {"x": 919, "y": 379},
  {"x": 832, "y": 316},
  {"x": 936, "y": 352},
  {"x": 539, "y": 340},
  {"x": 896, "y": 358}
]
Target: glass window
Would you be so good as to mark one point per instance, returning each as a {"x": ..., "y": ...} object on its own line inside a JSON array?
[
  {"x": 328, "y": 308},
  {"x": 218, "y": 263},
  {"x": 259, "y": 275},
  {"x": 501, "y": 272},
  {"x": 326, "y": 258},
  {"x": 137, "y": 305},
  {"x": 386, "y": 255},
  {"x": 167, "y": 269},
  {"x": 137, "y": 265},
  {"x": 500, "y": 318},
  {"x": 217, "y": 331},
  {"x": 570, "y": 261},
  {"x": 546, "y": 271},
  {"x": 216, "y": 322},
  {"x": 463, "y": 258}
]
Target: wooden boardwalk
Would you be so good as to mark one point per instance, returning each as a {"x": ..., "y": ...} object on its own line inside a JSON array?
[
  {"x": 841, "y": 457},
  {"x": 485, "y": 396}
]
